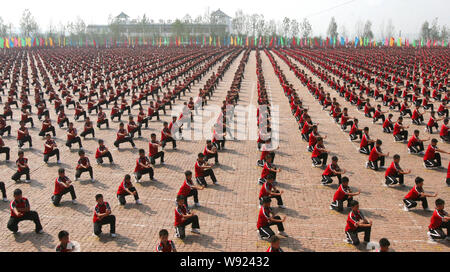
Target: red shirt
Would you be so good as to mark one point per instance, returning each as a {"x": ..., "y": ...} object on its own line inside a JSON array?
[
  {"x": 59, "y": 186},
  {"x": 436, "y": 219},
  {"x": 414, "y": 193},
  {"x": 179, "y": 212},
  {"x": 444, "y": 130},
  {"x": 352, "y": 219},
  {"x": 169, "y": 247},
  {"x": 413, "y": 140},
  {"x": 340, "y": 193},
  {"x": 364, "y": 141},
  {"x": 429, "y": 154},
  {"x": 48, "y": 149},
  {"x": 186, "y": 188},
  {"x": 23, "y": 203},
  {"x": 265, "y": 189},
  {"x": 100, "y": 209},
  {"x": 316, "y": 152},
  {"x": 153, "y": 148},
  {"x": 99, "y": 151},
  {"x": 263, "y": 217},
  {"x": 374, "y": 154},
  {"x": 121, "y": 131},
  {"x": 124, "y": 184},
  {"x": 392, "y": 170},
  {"x": 198, "y": 169},
  {"x": 144, "y": 160}
]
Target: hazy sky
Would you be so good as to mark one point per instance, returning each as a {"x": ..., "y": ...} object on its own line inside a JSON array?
[{"x": 407, "y": 15}]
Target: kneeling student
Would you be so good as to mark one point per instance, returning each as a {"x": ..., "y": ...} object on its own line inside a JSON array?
[
  {"x": 270, "y": 191},
  {"x": 332, "y": 170},
  {"x": 126, "y": 188},
  {"x": 366, "y": 144},
  {"x": 417, "y": 194},
  {"x": 189, "y": 189},
  {"x": 376, "y": 155},
  {"x": 103, "y": 216},
  {"x": 357, "y": 222},
  {"x": 267, "y": 218},
  {"x": 63, "y": 185},
  {"x": 343, "y": 193},
  {"x": 184, "y": 217},
  {"x": 439, "y": 220},
  {"x": 395, "y": 174},
  {"x": 415, "y": 144},
  {"x": 432, "y": 158}
]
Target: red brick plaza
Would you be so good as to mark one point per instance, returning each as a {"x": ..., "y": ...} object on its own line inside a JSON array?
[{"x": 229, "y": 210}]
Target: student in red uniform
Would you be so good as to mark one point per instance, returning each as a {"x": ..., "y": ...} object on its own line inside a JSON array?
[
  {"x": 400, "y": 133},
  {"x": 63, "y": 185},
  {"x": 415, "y": 144},
  {"x": 417, "y": 116},
  {"x": 143, "y": 167},
  {"x": 103, "y": 216},
  {"x": 62, "y": 118},
  {"x": 72, "y": 137},
  {"x": 267, "y": 218},
  {"x": 115, "y": 112},
  {"x": 184, "y": 217},
  {"x": 126, "y": 188},
  {"x": 153, "y": 150},
  {"x": 20, "y": 211},
  {"x": 64, "y": 242},
  {"x": 332, "y": 170},
  {"x": 439, "y": 220},
  {"x": 395, "y": 174},
  {"x": 319, "y": 155},
  {"x": 269, "y": 190},
  {"x": 23, "y": 135},
  {"x": 357, "y": 222},
  {"x": 50, "y": 149},
  {"x": 25, "y": 118},
  {"x": 444, "y": 133},
  {"x": 3, "y": 127},
  {"x": 355, "y": 131},
  {"x": 102, "y": 152},
  {"x": 165, "y": 245},
  {"x": 274, "y": 244},
  {"x": 376, "y": 155},
  {"x": 166, "y": 136},
  {"x": 210, "y": 151},
  {"x": 132, "y": 127},
  {"x": 79, "y": 111},
  {"x": 343, "y": 193},
  {"x": 432, "y": 159},
  {"x": 189, "y": 189},
  {"x": 268, "y": 168},
  {"x": 366, "y": 144},
  {"x": 203, "y": 170},
  {"x": 379, "y": 114},
  {"x": 4, "y": 149},
  {"x": 417, "y": 194},
  {"x": 83, "y": 165},
  {"x": 123, "y": 136},
  {"x": 433, "y": 123},
  {"x": 88, "y": 129},
  {"x": 101, "y": 118},
  {"x": 22, "y": 168},
  {"x": 388, "y": 125}
]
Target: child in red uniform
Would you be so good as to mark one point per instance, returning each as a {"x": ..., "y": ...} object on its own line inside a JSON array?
[
  {"x": 165, "y": 245},
  {"x": 267, "y": 218},
  {"x": 22, "y": 168},
  {"x": 415, "y": 144},
  {"x": 432, "y": 159},
  {"x": 355, "y": 131},
  {"x": 443, "y": 133},
  {"x": 433, "y": 123},
  {"x": 189, "y": 189},
  {"x": 83, "y": 165},
  {"x": 376, "y": 155},
  {"x": 20, "y": 211},
  {"x": 439, "y": 220},
  {"x": 126, "y": 188},
  {"x": 143, "y": 167},
  {"x": 102, "y": 152},
  {"x": 63, "y": 185},
  {"x": 332, "y": 170},
  {"x": 123, "y": 136},
  {"x": 343, "y": 193},
  {"x": 417, "y": 194},
  {"x": 366, "y": 144},
  {"x": 388, "y": 125},
  {"x": 103, "y": 216},
  {"x": 357, "y": 222},
  {"x": 400, "y": 133},
  {"x": 23, "y": 135},
  {"x": 270, "y": 191},
  {"x": 319, "y": 155},
  {"x": 184, "y": 217},
  {"x": 64, "y": 242},
  {"x": 268, "y": 168},
  {"x": 202, "y": 170},
  {"x": 50, "y": 149},
  {"x": 166, "y": 136},
  {"x": 395, "y": 174},
  {"x": 210, "y": 151},
  {"x": 72, "y": 137}
]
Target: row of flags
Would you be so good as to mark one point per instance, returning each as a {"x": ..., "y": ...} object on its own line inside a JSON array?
[{"x": 274, "y": 41}]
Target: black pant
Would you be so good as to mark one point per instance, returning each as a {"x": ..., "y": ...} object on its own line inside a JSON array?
[
  {"x": 138, "y": 130},
  {"x": 321, "y": 159},
  {"x": 430, "y": 129},
  {"x": 338, "y": 205},
  {"x": 417, "y": 147},
  {"x": 74, "y": 140},
  {"x": 366, "y": 149},
  {"x": 65, "y": 120},
  {"x": 348, "y": 123},
  {"x": 118, "y": 115},
  {"x": 278, "y": 198},
  {"x": 194, "y": 193},
  {"x": 397, "y": 178},
  {"x": 328, "y": 179},
  {"x": 436, "y": 162},
  {"x": 29, "y": 120},
  {"x": 439, "y": 232},
  {"x": 3, "y": 189},
  {"x": 5, "y": 150},
  {"x": 123, "y": 140},
  {"x": 411, "y": 203},
  {"x": 215, "y": 156},
  {"x": 51, "y": 154},
  {"x": 352, "y": 236},
  {"x": 160, "y": 154},
  {"x": 202, "y": 181},
  {"x": 31, "y": 215},
  {"x": 381, "y": 116},
  {"x": 107, "y": 220},
  {"x": 267, "y": 232},
  {"x": 107, "y": 154},
  {"x": 82, "y": 170},
  {"x": 180, "y": 229},
  {"x": 401, "y": 136},
  {"x": 121, "y": 197},
  {"x": 374, "y": 164},
  {"x": 5, "y": 129},
  {"x": 169, "y": 139},
  {"x": 24, "y": 140},
  {"x": 219, "y": 144},
  {"x": 16, "y": 177},
  {"x": 105, "y": 121},
  {"x": 88, "y": 131},
  {"x": 149, "y": 171},
  {"x": 49, "y": 129},
  {"x": 355, "y": 135},
  {"x": 81, "y": 113},
  {"x": 56, "y": 199}
]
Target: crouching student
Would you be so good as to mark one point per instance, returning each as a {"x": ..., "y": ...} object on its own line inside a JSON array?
[
  {"x": 376, "y": 155},
  {"x": 366, "y": 144},
  {"x": 126, "y": 188},
  {"x": 417, "y": 194},
  {"x": 332, "y": 170},
  {"x": 20, "y": 211},
  {"x": 270, "y": 191},
  {"x": 63, "y": 185},
  {"x": 184, "y": 217},
  {"x": 439, "y": 221},
  {"x": 415, "y": 144},
  {"x": 357, "y": 222},
  {"x": 319, "y": 155},
  {"x": 266, "y": 219},
  {"x": 103, "y": 216},
  {"x": 343, "y": 193},
  {"x": 432, "y": 158},
  {"x": 189, "y": 189},
  {"x": 395, "y": 174}
]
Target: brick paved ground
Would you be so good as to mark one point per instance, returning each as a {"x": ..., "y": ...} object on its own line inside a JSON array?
[{"x": 229, "y": 210}]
